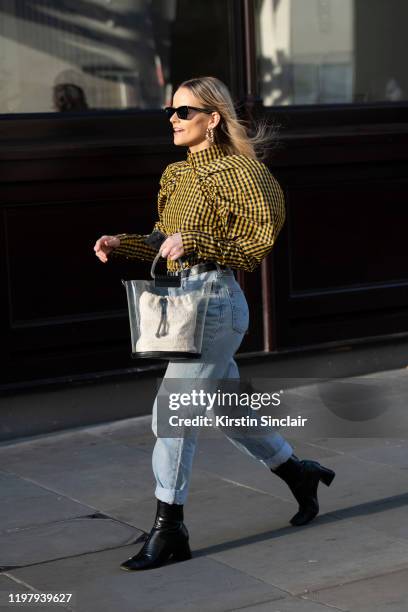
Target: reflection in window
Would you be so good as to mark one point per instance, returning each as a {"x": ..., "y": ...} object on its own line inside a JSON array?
[
  {"x": 71, "y": 55},
  {"x": 105, "y": 54},
  {"x": 331, "y": 51}
]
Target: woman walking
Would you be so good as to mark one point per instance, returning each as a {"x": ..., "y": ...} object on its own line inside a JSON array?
[{"x": 218, "y": 209}]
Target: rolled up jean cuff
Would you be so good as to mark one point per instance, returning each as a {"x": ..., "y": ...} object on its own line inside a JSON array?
[
  {"x": 280, "y": 457},
  {"x": 170, "y": 496}
]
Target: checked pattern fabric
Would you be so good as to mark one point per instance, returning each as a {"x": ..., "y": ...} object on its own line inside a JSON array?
[{"x": 228, "y": 208}]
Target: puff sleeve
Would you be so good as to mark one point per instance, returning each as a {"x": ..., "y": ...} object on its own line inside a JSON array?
[
  {"x": 251, "y": 204},
  {"x": 133, "y": 246}
]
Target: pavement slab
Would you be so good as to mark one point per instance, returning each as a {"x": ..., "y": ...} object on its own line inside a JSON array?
[
  {"x": 103, "y": 475},
  {"x": 61, "y": 453},
  {"x": 100, "y": 585},
  {"x": 130, "y": 432},
  {"x": 395, "y": 455},
  {"x": 25, "y": 503},
  {"x": 319, "y": 555},
  {"x": 11, "y": 587},
  {"x": 388, "y": 515},
  {"x": 356, "y": 445},
  {"x": 382, "y": 593},
  {"x": 289, "y": 604},
  {"x": 63, "y": 539}
]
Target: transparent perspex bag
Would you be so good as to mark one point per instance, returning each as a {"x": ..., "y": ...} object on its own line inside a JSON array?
[{"x": 167, "y": 316}]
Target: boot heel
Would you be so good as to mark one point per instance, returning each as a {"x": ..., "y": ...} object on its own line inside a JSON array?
[
  {"x": 326, "y": 475},
  {"x": 182, "y": 553}
]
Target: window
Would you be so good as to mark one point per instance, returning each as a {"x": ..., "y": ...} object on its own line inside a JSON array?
[
  {"x": 66, "y": 55},
  {"x": 331, "y": 51}
]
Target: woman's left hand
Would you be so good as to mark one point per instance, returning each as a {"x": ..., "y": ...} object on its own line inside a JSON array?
[{"x": 172, "y": 247}]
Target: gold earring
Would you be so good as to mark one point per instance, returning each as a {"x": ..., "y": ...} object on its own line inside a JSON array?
[{"x": 210, "y": 135}]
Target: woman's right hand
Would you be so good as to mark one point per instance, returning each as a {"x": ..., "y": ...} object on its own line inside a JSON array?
[{"x": 105, "y": 245}]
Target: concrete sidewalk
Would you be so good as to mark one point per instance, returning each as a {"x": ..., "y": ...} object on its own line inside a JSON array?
[{"x": 74, "y": 504}]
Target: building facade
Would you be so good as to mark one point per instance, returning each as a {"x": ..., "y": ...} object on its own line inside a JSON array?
[{"x": 84, "y": 141}]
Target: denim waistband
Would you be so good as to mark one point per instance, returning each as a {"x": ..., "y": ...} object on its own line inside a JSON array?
[
  {"x": 223, "y": 276},
  {"x": 198, "y": 269}
]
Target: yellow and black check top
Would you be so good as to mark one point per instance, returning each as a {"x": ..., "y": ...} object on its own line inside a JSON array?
[{"x": 228, "y": 208}]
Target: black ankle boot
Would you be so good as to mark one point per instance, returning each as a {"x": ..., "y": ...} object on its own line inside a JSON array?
[
  {"x": 303, "y": 478},
  {"x": 168, "y": 539}
]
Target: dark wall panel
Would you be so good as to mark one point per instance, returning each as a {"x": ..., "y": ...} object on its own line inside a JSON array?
[
  {"x": 343, "y": 270},
  {"x": 331, "y": 222}
]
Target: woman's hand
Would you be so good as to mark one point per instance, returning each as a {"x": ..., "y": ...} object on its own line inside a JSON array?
[
  {"x": 172, "y": 247},
  {"x": 105, "y": 245}
]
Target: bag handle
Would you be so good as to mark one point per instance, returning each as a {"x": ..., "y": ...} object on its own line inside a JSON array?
[{"x": 156, "y": 259}]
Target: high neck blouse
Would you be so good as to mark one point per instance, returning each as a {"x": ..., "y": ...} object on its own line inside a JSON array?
[{"x": 228, "y": 208}]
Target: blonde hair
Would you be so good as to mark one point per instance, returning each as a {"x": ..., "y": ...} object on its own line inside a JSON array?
[{"x": 232, "y": 134}]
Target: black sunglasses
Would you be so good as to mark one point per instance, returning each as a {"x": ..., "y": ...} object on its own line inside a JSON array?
[{"x": 182, "y": 111}]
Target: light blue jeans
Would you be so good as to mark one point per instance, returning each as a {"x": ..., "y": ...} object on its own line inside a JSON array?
[{"x": 226, "y": 322}]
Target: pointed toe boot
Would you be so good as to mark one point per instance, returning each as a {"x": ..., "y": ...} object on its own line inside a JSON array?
[{"x": 167, "y": 540}]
